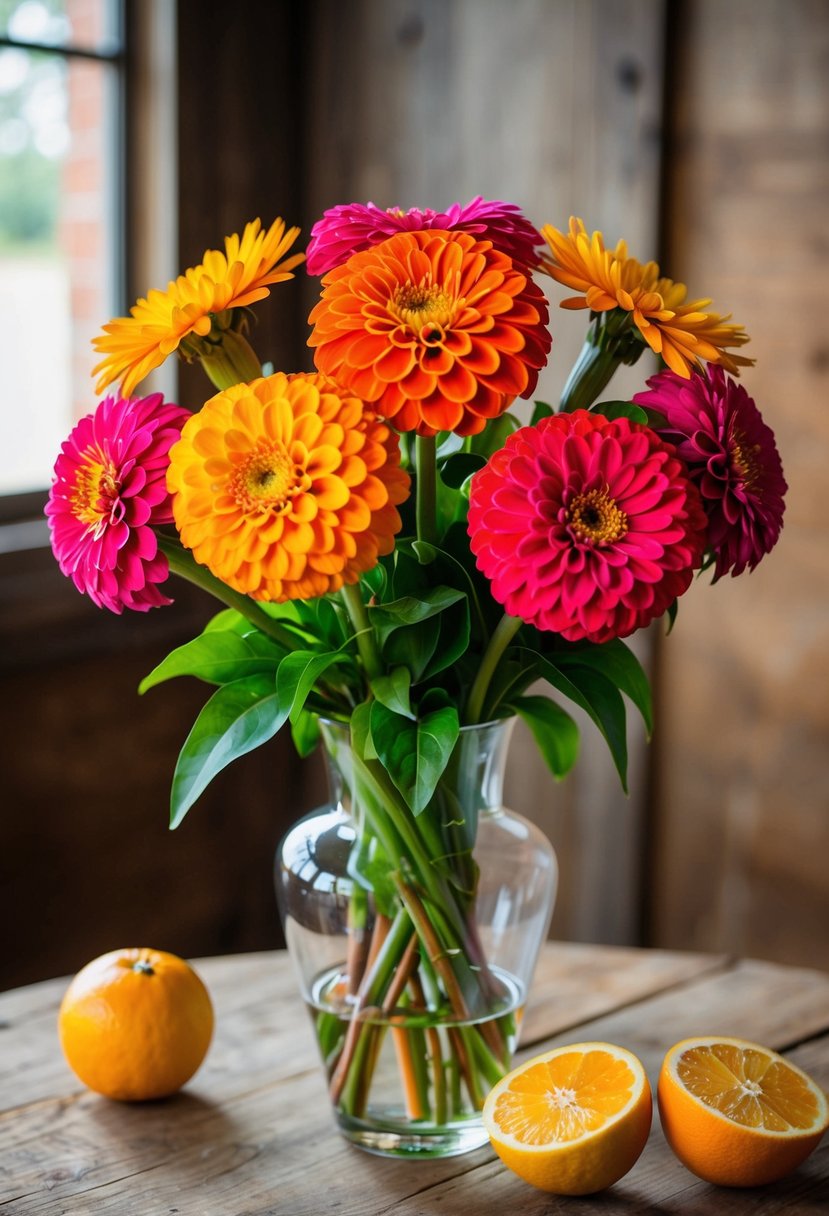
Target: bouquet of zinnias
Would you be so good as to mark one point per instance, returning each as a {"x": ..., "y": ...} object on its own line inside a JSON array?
[{"x": 397, "y": 554}]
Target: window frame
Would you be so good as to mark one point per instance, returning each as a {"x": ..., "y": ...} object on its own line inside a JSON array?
[{"x": 22, "y": 524}]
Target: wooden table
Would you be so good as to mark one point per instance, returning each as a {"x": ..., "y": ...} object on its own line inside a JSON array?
[{"x": 252, "y": 1134}]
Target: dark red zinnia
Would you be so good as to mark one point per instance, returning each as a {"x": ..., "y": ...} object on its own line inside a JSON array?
[
  {"x": 586, "y": 527},
  {"x": 731, "y": 456}
]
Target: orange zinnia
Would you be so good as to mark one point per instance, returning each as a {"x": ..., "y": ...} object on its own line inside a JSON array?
[
  {"x": 157, "y": 326},
  {"x": 438, "y": 330},
  {"x": 683, "y": 334},
  {"x": 287, "y": 488}
]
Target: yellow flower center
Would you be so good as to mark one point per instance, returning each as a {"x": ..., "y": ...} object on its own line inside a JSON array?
[
  {"x": 267, "y": 479},
  {"x": 594, "y": 517},
  {"x": 96, "y": 488},
  {"x": 745, "y": 459},
  {"x": 420, "y": 305}
]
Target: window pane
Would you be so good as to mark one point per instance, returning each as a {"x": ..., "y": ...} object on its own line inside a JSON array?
[
  {"x": 87, "y": 24},
  {"x": 57, "y": 170}
]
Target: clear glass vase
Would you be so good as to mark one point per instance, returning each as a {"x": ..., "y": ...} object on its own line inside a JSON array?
[{"x": 414, "y": 939}]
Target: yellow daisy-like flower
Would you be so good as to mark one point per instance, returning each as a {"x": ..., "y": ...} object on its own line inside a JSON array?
[
  {"x": 682, "y": 332},
  {"x": 157, "y": 325},
  {"x": 287, "y": 488}
]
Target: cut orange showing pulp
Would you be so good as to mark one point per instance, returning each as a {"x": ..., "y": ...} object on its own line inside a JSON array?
[
  {"x": 736, "y": 1113},
  {"x": 573, "y": 1120}
]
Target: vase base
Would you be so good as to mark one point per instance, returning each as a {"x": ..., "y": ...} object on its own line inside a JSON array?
[{"x": 414, "y": 1141}]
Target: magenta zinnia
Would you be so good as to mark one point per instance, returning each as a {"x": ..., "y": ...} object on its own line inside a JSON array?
[
  {"x": 288, "y": 487},
  {"x": 586, "y": 527},
  {"x": 348, "y": 228},
  {"x": 731, "y": 455},
  {"x": 108, "y": 493}
]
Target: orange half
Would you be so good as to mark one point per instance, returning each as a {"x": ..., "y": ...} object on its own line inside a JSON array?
[
  {"x": 573, "y": 1120},
  {"x": 736, "y": 1113}
]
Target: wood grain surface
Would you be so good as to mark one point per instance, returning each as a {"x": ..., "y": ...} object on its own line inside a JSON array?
[{"x": 253, "y": 1135}]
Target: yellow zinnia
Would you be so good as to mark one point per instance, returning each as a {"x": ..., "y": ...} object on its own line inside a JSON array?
[
  {"x": 682, "y": 333},
  {"x": 287, "y": 488},
  {"x": 158, "y": 325}
]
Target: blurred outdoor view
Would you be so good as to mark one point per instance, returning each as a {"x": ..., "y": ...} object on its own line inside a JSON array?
[{"x": 59, "y": 162}]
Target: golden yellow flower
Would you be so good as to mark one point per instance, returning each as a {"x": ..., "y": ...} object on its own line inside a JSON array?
[
  {"x": 287, "y": 488},
  {"x": 157, "y": 325},
  {"x": 682, "y": 332}
]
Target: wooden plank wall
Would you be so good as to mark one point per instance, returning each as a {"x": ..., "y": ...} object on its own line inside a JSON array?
[{"x": 742, "y": 828}]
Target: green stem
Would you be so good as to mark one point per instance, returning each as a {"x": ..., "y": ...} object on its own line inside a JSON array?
[
  {"x": 345, "y": 1076},
  {"x": 363, "y": 632},
  {"x": 182, "y": 563},
  {"x": 433, "y": 948},
  {"x": 610, "y": 342},
  {"x": 426, "y": 482},
  {"x": 505, "y": 631},
  {"x": 230, "y": 361},
  {"x": 590, "y": 373},
  {"x": 384, "y": 804}
]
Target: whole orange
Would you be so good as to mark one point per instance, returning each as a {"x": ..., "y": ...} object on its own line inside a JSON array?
[{"x": 135, "y": 1024}]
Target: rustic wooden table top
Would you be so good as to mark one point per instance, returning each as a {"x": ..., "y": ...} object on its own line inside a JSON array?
[{"x": 252, "y": 1134}]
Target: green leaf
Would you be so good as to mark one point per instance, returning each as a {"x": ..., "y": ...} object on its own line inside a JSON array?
[
  {"x": 455, "y": 470},
  {"x": 393, "y": 691},
  {"x": 361, "y": 731},
  {"x": 451, "y": 568},
  {"x": 414, "y": 754},
  {"x": 316, "y": 620},
  {"x": 670, "y": 613},
  {"x": 599, "y": 698},
  {"x": 305, "y": 732},
  {"x": 376, "y": 580},
  {"x": 618, "y": 662},
  {"x": 218, "y": 658},
  {"x": 411, "y": 610},
  {"x": 494, "y": 435},
  {"x": 553, "y": 729},
  {"x": 453, "y": 638},
  {"x": 620, "y": 409},
  {"x": 540, "y": 410},
  {"x": 657, "y": 421},
  {"x": 238, "y": 718},
  {"x": 413, "y": 647},
  {"x": 408, "y": 629},
  {"x": 228, "y": 618},
  {"x": 296, "y": 676}
]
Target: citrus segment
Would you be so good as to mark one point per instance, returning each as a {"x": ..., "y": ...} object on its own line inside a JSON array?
[
  {"x": 736, "y": 1113},
  {"x": 135, "y": 1024},
  {"x": 573, "y": 1120}
]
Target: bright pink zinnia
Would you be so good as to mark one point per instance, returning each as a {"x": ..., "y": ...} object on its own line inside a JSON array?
[
  {"x": 586, "y": 527},
  {"x": 732, "y": 457},
  {"x": 350, "y": 227},
  {"x": 108, "y": 493}
]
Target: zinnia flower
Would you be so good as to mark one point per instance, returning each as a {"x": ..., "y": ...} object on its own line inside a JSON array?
[
  {"x": 682, "y": 333},
  {"x": 108, "y": 494},
  {"x": 287, "y": 488},
  {"x": 159, "y": 324},
  {"x": 438, "y": 330},
  {"x": 348, "y": 228},
  {"x": 731, "y": 455},
  {"x": 586, "y": 527}
]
